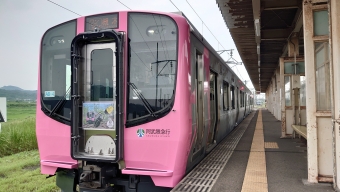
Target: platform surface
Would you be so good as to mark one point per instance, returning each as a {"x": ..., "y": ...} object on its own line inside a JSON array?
[{"x": 254, "y": 158}]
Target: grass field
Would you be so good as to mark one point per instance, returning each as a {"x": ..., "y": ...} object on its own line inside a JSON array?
[
  {"x": 21, "y": 172},
  {"x": 18, "y": 133},
  {"x": 19, "y": 157},
  {"x": 17, "y": 111},
  {"x": 18, "y": 136}
]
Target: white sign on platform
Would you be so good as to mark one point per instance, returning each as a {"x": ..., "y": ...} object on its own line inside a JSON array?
[{"x": 3, "y": 109}]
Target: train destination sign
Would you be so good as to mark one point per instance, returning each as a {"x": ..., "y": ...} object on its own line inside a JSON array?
[{"x": 107, "y": 21}]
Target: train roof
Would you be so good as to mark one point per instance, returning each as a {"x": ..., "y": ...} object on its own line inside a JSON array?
[{"x": 208, "y": 46}]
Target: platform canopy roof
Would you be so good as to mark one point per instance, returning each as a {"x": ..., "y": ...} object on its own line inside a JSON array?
[{"x": 260, "y": 30}]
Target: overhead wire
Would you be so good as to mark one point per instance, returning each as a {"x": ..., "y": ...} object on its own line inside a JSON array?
[
  {"x": 156, "y": 23},
  {"x": 219, "y": 43},
  {"x": 166, "y": 46},
  {"x": 175, "y": 5},
  {"x": 140, "y": 59},
  {"x": 138, "y": 29},
  {"x": 148, "y": 69},
  {"x": 97, "y": 26},
  {"x": 166, "y": 56},
  {"x": 124, "y": 4},
  {"x": 64, "y": 8},
  {"x": 143, "y": 37},
  {"x": 211, "y": 33},
  {"x": 72, "y": 12},
  {"x": 160, "y": 36}
]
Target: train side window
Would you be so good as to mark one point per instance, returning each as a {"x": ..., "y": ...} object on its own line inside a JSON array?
[
  {"x": 237, "y": 98},
  {"x": 225, "y": 96},
  {"x": 248, "y": 100},
  {"x": 241, "y": 102},
  {"x": 232, "y": 97},
  {"x": 245, "y": 99},
  {"x": 241, "y": 98}
]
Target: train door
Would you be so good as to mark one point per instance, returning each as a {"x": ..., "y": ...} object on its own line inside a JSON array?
[
  {"x": 97, "y": 111},
  {"x": 232, "y": 96},
  {"x": 246, "y": 100},
  {"x": 237, "y": 105},
  {"x": 101, "y": 73},
  {"x": 198, "y": 144},
  {"x": 213, "y": 104}
]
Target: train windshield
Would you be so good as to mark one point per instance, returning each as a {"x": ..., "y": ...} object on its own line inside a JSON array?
[
  {"x": 152, "y": 65},
  {"x": 55, "y": 73}
]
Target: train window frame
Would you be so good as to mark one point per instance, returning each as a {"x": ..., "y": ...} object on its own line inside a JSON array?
[
  {"x": 237, "y": 98},
  {"x": 232, "y": 93},
  {"x": 240, "y": 93},
  {"x": 151, "y": 115},
  {"x": 226, "y": 96},
  {"x": 54, "y": 112},
  {"x": 241, "y": 99}
]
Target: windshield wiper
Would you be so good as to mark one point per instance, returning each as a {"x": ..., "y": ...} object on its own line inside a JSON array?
[
  {"x": 60, "y": 102},
  {"x": 141, "y": 97},
  {"x": 167, "y": 62}
]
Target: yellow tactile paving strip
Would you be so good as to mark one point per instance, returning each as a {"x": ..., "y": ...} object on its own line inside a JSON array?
[
  {"x": 271, "y": 145},
  {"x": 255, "y": 178}
]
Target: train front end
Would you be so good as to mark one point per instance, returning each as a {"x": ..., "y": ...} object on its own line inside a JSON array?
[{"x": 107, "y": 118}]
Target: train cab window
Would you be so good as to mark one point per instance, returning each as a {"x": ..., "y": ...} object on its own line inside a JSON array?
[
  {"x": 152, "y": 66},
  {"x": 55, "y": 73},
  {"x": 102, "y": 79},
  {"x": 232, "y": 90},
  {"x": 226, "y": 96}
]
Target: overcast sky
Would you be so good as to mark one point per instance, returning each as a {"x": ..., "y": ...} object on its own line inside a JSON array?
[{"x": 23, "y": 22}]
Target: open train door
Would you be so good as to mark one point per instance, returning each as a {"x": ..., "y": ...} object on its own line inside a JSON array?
[{"x": 96, "y": 117}]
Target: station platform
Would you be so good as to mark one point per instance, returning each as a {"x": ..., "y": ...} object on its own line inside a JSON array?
[{"x": 254, "y": 158}]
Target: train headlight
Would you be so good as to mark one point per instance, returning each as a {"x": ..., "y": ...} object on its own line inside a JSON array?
[
  {"x": 151, "y": 32},
  {"x": 57, "y": 40},
  {"x": 158, "y": 29}
]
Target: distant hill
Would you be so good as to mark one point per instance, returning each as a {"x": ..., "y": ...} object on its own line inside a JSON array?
[
  {"x": 10, "y": 87},
  {"x": 13, "y": 93}
]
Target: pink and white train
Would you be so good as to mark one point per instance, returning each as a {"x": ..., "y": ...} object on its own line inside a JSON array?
[{"x": 131, "y": 101}]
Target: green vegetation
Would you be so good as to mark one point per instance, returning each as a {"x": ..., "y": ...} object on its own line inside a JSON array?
[
  {"x": 18, "y": 133},
  {"x": 18, "y": 95},
  {"x": 20, "y": 110},
  {"x": 19, "y": 159},
  {"x": 21, "y": 172},
  {"x": 18, "y": 136}
]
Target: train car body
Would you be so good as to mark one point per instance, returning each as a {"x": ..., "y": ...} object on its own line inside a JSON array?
[{"x": 131, "y": 101}]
